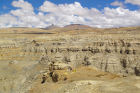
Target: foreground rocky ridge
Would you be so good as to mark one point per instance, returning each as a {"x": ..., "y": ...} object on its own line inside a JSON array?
[{"x": 109, "y": 50}]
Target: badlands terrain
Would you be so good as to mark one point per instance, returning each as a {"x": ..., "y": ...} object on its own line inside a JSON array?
[{"x": 73, "y": 59}]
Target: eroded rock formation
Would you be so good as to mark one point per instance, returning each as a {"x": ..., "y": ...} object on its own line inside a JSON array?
[{"x": 120, "y": 56}]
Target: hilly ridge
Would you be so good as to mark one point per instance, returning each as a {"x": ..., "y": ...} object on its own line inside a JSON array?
[
  {"x": 51, "y": 27},
  {"x": 71, "y": 26}
]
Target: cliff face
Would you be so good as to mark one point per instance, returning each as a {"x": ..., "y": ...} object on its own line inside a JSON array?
[{"x": 118, "y": 55}]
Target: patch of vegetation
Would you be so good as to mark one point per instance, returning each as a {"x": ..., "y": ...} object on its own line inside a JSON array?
[
  {"x": 71, "y": 80},
  {"x": 89, "y": 83},
  {"x": 98, "y": 75}
]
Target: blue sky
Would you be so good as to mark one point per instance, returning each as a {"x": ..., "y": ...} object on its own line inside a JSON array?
[
  {"x": 99, "y": 4},
  {"x": 95, "y": 13}
]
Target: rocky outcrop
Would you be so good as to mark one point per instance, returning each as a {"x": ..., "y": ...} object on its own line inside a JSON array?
[{"x": 17, "y": 79}]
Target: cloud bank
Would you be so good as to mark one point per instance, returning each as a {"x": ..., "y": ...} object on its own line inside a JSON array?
[{"x": 65, "y": 14}]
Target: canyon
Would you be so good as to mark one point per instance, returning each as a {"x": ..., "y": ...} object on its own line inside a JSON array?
[{"x": 106, "y": 60}]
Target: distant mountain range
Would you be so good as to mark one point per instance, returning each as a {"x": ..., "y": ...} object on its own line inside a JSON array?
[
  {"x": 77, "y": 26},
  {"x": 72, "y": 26}
]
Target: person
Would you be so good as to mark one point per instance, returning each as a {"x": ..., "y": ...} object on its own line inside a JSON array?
[
  {"x": 70, "y": 68},
  {"x": 65, "y": 72},
  {"x": 74, "y": 70}
]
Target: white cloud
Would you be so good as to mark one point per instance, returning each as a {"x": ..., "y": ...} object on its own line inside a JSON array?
[
  {"x": 135, "y": 2},
  {"x": 7, "y": 19},
  {"x": 48, "y": 7},
  {"x": 117, "y": 3},
  {"x": 22, "y": 12},
  {"x": 17, "y": 12},
  {"x": 23, "y": 5},
  {"x": 75, "y": 8},
  {"x": 64, "y": 14},
  {"x": 29, "y": 17},
  {"x": 65, "y": 19},
  {"x": 42, "y": 25}
]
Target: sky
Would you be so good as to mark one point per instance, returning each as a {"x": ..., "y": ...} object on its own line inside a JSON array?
[{"x": 95, "y": 13}]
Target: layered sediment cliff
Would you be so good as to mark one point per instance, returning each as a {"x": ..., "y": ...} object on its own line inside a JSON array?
[{"x": 108, "y": 53}]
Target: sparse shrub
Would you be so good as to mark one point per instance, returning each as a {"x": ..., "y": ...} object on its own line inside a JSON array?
[
  {"x": 98, "y": 76},
  {"x": 71, "y": 80},
  {"x": 89, "y": 83}
]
